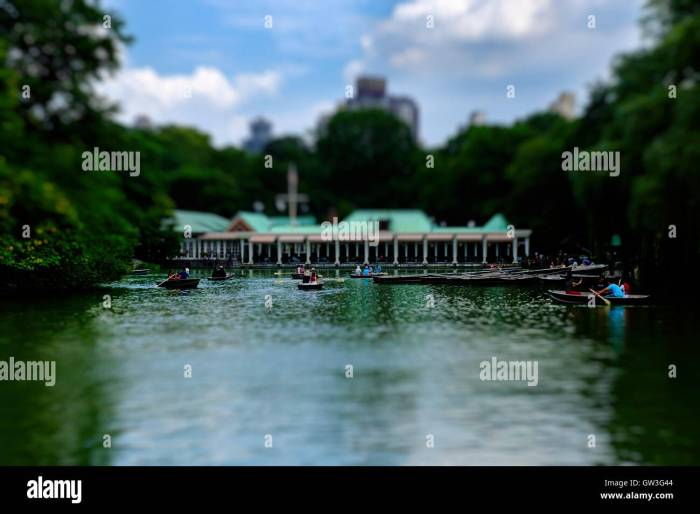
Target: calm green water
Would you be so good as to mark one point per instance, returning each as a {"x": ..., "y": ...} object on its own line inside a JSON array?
[{"x": 282, "y": 371}]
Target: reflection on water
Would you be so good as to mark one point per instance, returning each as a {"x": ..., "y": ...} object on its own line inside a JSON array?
[{"x": 282, "y": 371}]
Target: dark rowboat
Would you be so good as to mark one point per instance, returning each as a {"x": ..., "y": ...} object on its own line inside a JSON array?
[
  {"x": 310, "y": 287},
  {"x": 221, "y": 278},
  {"x": 583, "y": 297},
  {"x": 140, "y": 271},
  {"x": 371, "y": 275},
  {"x": 187, "y": 283},
  {"x": 591, "y": 270}
]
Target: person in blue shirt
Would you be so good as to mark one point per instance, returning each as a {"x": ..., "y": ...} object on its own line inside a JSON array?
[
  {"x": 184, "y": 274},
  {"x": 612, "y": 290},
  {"x": 378, "y": 269},
  {"x": 365, "y": 271}
]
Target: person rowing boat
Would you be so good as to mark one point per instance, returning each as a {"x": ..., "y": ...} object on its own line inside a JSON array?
[{"x": 612, "y": 290}]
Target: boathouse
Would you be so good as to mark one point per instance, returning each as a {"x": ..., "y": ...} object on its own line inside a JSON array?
[{"x": 403, "y": 237}]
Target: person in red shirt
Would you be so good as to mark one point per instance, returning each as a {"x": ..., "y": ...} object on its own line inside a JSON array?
[{"x": 314, "y": 276}]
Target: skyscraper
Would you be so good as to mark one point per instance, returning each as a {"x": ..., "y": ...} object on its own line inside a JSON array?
[
  {"x": 371, "y": 93},
  {"x": 260, "y": 135}
]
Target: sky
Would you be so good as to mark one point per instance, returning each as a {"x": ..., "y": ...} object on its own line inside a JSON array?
[{"x": 217, "y": 64}]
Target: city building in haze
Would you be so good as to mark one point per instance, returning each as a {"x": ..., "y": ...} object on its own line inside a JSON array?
[
  {"x": 370, "y": 93},
  {"x": 260, "y": 135},
  {"x": 564, "y": 105}
]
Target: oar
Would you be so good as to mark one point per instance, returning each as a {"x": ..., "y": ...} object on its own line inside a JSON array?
[
  {"x": 163, "y": 282},
  {"x": 607, "y": 302}
]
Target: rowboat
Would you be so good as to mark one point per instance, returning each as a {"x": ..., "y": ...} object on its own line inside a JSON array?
[
  {"x": 553, "y": 279},
  {"x": 186, "y": 283},
  {"x": 593, "y": 269},
  {"x": 310, "y": 286},
  {"x": 143, "y": 271},
  {"x": 583, "y": 297},
  {"x": 371, "y": 275},
  {"x": 220, "y": 278}
]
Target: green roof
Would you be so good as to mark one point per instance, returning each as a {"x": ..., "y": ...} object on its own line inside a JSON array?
[
  {"x": 304, "y": 219},
  {"x": 497, "y": 223},
  {"x": 400, "y": 220},
  {"x": 255, "y": 220},
  {"x": 262, "y": 223},
  {"x": 296, "y": 229},
  {"x": 200, "y": 221}
]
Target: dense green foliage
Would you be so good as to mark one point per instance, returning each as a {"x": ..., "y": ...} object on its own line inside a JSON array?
[{"x": 85, "y": 226}]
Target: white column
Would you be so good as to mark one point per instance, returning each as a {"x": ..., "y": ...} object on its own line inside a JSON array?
[
  {"x": 527, "y": 247},
  {"x": 242, "y": 245},
  {"x": 484, "y": 247},
  {"x": 366, "y": 251},
  {"x": 454, "y": 250},
  {"x": 515, "y": 249},
  {"x": 337, "y": 252},
  {"x": 425, "y": 250},
  {"x": 405, "y": 251},
  {"x": 308, "y": 251},
  {"x": 497, "y": 245},
  {"x": 396, "y": 251},
  {"x": 279, "y": 252},
  {"x": 251, "y": 251}
]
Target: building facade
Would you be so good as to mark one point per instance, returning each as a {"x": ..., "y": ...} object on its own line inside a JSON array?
[
  {"x": 260, "y": 135},
  {"x": 400, "y": 237},
  {"x": 371, "y": 94}
]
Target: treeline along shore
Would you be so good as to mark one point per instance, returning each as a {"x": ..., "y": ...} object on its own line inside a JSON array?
[{"x": 67, "y": 225}]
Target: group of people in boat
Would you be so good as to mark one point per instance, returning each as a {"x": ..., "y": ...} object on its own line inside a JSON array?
[
  {"x": 218, "y": 272},
  {"x": 308, "y": 276},
  {"x": 368, "y": 270},
  {"x": 600, "y": 284},
  {"x": 180, "y": 275}
]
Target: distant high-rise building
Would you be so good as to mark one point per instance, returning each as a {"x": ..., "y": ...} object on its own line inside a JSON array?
[
  {"x": 564, "y": 105},
  {"x": 371, "y": 93},
  {"x": 477, "y": 118},
  {"x": 143, "y": 122},
  {"x": 260, "y": 135}
]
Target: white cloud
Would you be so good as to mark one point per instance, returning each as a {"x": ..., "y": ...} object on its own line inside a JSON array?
[
  {"x": 470, "y": 20},
  {"x": 477, "y": 47},
  {"x": 206, "y": 98}
]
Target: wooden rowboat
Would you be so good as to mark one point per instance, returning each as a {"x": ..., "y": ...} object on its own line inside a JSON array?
[
  {"x": 220, "y": 278},
  {"x": 583, "y": 297},
  {"x": 187, "y": 283},
  {"x": 371, "y": 275},
  {"x": 310, "y": 287},
  {"x": 143, "y": 271}
]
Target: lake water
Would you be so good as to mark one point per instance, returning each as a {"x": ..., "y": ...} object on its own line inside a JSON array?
[{"x": 277, "y": 376}]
